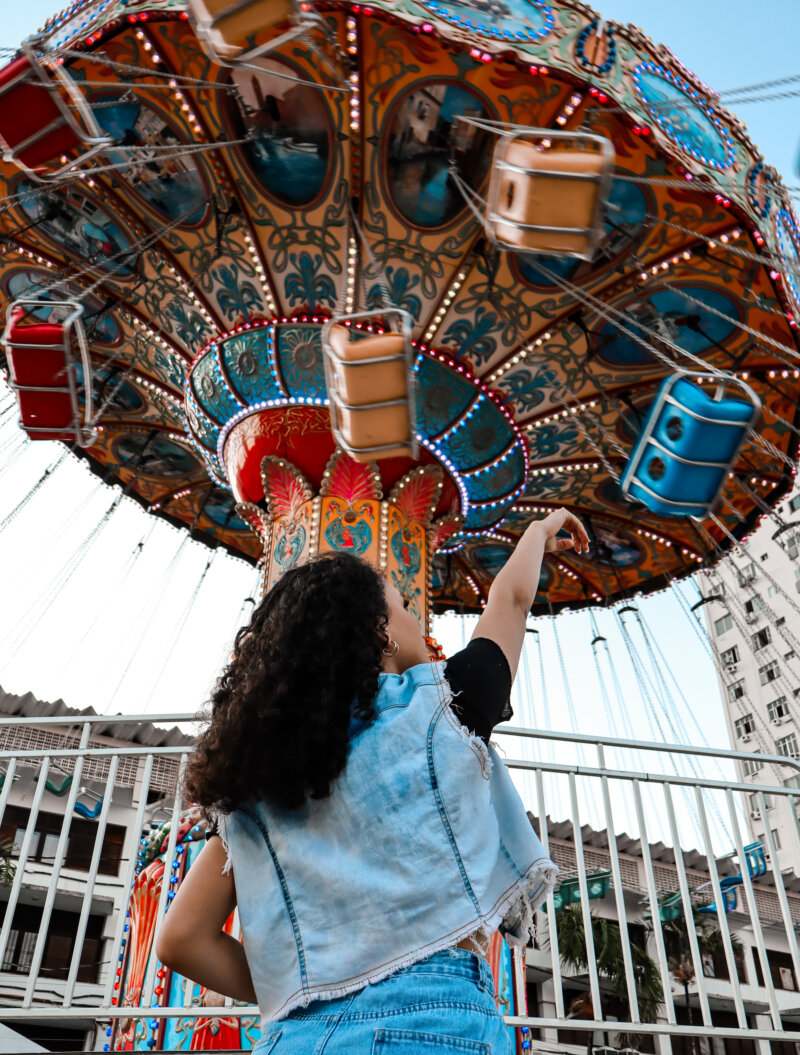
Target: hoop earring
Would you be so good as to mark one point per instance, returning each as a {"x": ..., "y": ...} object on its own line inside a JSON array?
[{"x": 392, "y": 650}]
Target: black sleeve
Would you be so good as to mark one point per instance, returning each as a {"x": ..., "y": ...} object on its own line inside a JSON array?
[
  {"x": 480, "y": 678},
  {"x": 211, "y": 829}
]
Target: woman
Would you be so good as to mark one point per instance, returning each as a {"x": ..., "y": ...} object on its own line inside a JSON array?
[{"x": 370, "y": 836}]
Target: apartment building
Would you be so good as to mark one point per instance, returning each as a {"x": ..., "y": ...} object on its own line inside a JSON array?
[
  {"x": 719, "y": 989},
  {"x": 41, "y": 973},
  {"x": 751, "y": 605}
]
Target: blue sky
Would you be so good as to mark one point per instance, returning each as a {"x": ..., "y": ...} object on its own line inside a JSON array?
[
  {"x": 731, "y": 43},
  {"x": 133, "y": 643}
]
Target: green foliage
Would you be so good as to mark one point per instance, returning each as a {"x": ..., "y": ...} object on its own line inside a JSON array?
[
  {"x": 611, "y": 965},
  {"x": 8, "y": 864},
  {"x": 709, "y": 941},
  {"x": 709, "y": 936},
  {"x": 610, "y": 962}
]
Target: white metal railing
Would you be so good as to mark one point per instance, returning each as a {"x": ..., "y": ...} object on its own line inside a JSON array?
[
  {"x": 664, "y": 813},
  {"x": 729, "y": 801}
]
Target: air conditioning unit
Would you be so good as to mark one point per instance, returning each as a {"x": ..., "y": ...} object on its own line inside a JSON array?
[
  {"x": 786, "y": 977},
  {"x": 780, "y": 719},
  {"x": 731, "y": 667},
  {"x": 745, "y": 738},
  {"x": 755, "y": 815},
  {"x": 750, "y": 617}
]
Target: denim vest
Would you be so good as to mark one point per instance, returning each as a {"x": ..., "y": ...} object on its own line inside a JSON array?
[{"x": 423, "y": 842}]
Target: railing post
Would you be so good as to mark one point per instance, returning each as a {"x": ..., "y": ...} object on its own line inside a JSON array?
[
  {"x": 663, "y": 1043},
  {"x": 58, "y": 860},
  {"x": 91, "y": 878},
  {"x": 22, "y": 860},
  {"x": 127, "y": 887},
  {"x": 555, "y": 961},
  {"x": 763, "y": 1047}
]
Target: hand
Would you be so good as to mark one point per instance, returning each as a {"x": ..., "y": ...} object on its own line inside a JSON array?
[{"x": 563, "y": 520}]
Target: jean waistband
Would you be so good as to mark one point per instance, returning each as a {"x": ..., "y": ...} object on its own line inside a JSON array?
[{"x": 460, "y": 962}]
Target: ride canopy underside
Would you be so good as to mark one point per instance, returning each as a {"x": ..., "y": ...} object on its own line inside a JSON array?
[{"x": 236, "y": 208}]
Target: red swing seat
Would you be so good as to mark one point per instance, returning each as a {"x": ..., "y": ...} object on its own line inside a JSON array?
[
  {"x": 39, "y": 102},
  {"x": 41, "y": 358}
]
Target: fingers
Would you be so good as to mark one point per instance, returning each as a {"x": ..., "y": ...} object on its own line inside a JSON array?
[
  {"x": 578, "y": 532},
  {"x": 563, "y": 520}
]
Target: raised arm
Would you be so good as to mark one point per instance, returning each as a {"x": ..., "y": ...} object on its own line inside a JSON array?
[{"x": 514, "y": 588}]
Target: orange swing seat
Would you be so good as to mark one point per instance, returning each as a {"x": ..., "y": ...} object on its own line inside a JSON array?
[
  {"x": 226, "y": 29},
  {"x": 547, "y": 191},
  {"x": 370, "y": 383}
]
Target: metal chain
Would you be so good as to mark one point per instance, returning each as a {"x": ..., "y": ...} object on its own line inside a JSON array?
[
  {"x": 472, "y": 198},
  {"x": 741, "y": 326},
  {"x": 118, "y": 382},
  {"x": 141, "y": 245},
  {"x": 612, "y": 315},
  {"x": 46, "y": 475},
  {"x": 759, "y": 501},
  {"x": 715, "y": 243}
]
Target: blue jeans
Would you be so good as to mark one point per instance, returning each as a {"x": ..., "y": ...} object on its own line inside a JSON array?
[{"x": 442, "y": 1004}]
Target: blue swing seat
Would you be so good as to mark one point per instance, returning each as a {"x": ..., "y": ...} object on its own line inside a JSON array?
[
  {"x": 756, "y": 866},
  {"x": 688, "y": 445}
]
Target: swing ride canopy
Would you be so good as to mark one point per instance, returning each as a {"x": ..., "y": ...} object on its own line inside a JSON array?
[{"x": 239, "y": 207}]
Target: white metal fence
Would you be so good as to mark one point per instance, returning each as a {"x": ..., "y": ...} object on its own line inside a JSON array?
[{"x": 648, "y": 881}]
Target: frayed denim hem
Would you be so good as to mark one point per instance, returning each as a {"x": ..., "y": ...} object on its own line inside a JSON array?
[{"x": 513, "y": 916}]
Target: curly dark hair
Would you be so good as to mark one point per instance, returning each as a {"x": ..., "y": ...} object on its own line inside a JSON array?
[{"x": 281, "y": 710}]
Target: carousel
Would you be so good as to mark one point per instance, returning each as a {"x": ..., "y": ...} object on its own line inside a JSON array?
[{"x": 395, "y": 279}]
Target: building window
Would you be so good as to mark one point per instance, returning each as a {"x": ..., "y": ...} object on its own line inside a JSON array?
[
  {"x": 787, "y": 746},
  {"x": 80, "y": 840},
  {"x": 792, "y": 545},
  {"x": 58, "y": 947},
  {"x": 755, "y": 806},
  {"x": 730, "y": 655},
  {"x": 772, "y": 591},
  {"x": 780, "y": 620},
  {"x": 744, "y": 726},
  {"x": 794, "y": 800},
  {"x": 746, "y": 574},
  {"x": 761, "y": 638},
  {"x": 794, "y": 503},
  {"x": 755, "y": 604},
  {"x": 723, "y": 624},
  {"x": 778, "y": 708},
  {"x": 752, "y": 766},
  {"x": 764, "y": 556},
  {"x": 769, "y": 672},
  {"x": 789, "y": 655},
  {"x": 776, "y": 839},
  {"x": 736, "y": 690}
]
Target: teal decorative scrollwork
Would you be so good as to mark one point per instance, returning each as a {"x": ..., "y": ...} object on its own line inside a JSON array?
[{"x": 307, "y": 285}]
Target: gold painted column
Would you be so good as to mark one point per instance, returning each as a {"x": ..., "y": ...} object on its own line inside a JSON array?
[{"x": 349, "y": 514}]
